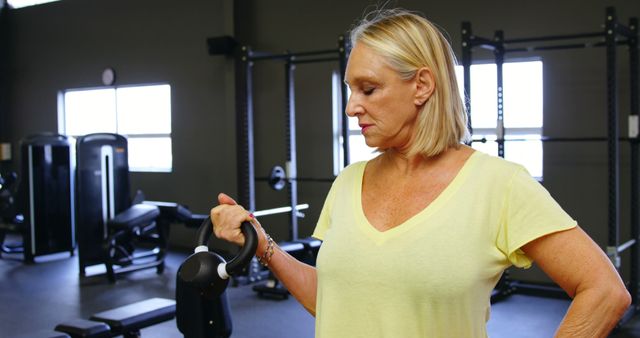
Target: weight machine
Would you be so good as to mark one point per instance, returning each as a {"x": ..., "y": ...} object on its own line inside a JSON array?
[{"x": 614, "y": 34}]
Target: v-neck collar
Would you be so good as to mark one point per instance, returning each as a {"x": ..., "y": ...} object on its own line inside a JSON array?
[{"x": 380, "y": 236}]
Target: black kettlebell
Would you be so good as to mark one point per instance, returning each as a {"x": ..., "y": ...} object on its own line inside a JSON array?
[{"x": 207, "y": 271}]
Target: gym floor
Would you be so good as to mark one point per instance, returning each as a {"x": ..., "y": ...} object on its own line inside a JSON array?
[{"x": 39, "y": 296}]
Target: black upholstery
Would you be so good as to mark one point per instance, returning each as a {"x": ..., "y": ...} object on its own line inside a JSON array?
[
  {"x": 133, "y": 317},
  {"x": 136, "y": 216},
  {"x": 82, "y": 328},
  {"x": 179, "y": 213},
  {"x": 43, "y": 334}
]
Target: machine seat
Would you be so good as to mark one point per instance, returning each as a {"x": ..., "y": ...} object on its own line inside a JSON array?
[{"x": 135, "y": 216}]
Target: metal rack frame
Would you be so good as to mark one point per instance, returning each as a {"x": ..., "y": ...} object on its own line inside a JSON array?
[
  {"x": 613, "y": 31},
  {"x": 245, "y": 59}
]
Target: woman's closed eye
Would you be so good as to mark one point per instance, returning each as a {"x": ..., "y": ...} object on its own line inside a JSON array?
[{"x": 368, "y": 90}]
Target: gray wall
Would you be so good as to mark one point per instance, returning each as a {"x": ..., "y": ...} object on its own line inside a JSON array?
[{"x": 67, "y": 44}]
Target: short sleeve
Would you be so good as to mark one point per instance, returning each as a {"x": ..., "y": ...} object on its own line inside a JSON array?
[
  {"x": 324, "y": 220},
  {"x": 529, "y": 212}
]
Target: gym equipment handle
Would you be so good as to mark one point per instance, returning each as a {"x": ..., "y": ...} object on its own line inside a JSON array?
[{"x": 244, "y": 256}]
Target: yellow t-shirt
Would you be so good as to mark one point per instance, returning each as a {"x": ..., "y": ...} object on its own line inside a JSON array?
[{"x": 431, "y": 276}]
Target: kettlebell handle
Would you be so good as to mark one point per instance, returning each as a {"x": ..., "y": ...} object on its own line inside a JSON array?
[{"x": 244, "y": 256}]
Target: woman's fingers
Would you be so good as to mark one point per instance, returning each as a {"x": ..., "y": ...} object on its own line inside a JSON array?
[
  {"x": 227, "y": 218},
  {"x": 225, "y": 199}
]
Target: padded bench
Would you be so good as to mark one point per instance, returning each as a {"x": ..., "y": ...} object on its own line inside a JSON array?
[
  {"x": 43, "y": 334},
  {"x": 129, "y": 319},
  {"x": 126, "y": 320},
  {"x": 82, "y": 328},
  {"x": 135, "y": 216},
  {"x": 178, "y": 212}
]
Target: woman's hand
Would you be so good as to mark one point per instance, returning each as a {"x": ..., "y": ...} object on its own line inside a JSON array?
[{"x": 227, "y": 217}]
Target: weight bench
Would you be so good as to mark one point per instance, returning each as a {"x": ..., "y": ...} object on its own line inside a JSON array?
[
  {"x": 43, "y": 334},
  {"x": 82, "y": 328},
  {"x": 178, "y": 212},
  {"x": 126, "y": 320}
]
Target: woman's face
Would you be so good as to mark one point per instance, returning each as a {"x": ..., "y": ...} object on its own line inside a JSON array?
[{"x": 383, "y": 102}]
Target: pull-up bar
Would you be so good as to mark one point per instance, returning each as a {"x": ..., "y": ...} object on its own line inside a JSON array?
[
  {"x": 629, "y": 32},
  {"x": 556, "y": 37},
  {"x": 259, "y": 56},
  {"x": 567, "y": 46}
]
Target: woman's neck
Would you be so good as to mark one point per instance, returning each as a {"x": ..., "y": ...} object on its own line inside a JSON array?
[{"x": 406, "y": 165}]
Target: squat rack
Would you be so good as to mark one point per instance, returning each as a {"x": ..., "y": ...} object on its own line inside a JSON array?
[
  {"x": 614, "y": 34},
  {"x": 245, "y": 60}
]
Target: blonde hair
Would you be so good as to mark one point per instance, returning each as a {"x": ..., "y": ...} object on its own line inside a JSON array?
[{"x": 409, "y": 42}]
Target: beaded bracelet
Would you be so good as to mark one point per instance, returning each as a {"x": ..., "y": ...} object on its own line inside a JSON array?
[{"x": 268, "y": 253}]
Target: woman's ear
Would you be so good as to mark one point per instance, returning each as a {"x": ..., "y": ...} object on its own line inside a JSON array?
[{"x": 425, "y": 85}]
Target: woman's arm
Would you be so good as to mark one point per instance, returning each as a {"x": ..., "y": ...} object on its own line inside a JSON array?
[
  {"x": 579, "y": 266},
  {"x": 299, "y": 278}
]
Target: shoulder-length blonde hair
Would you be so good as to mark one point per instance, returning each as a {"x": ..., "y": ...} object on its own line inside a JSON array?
[{"x": 409, "y": 42}]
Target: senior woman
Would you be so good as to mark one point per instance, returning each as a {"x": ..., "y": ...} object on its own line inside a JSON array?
[{"x": 415, "y": 239}]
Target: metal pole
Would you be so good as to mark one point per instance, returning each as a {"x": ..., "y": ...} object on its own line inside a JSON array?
[
  {"x": 633, "y": 133},
  {"x": 244, "y": 125},
  {"x": 343, "y": 48},
  {"x": 612, "y": 142},
  {"x": 5, "y": 45},
  {"x": 499, "y": 55},
  {"x": 466, "y": 66},
  {"x": 292, "y": 166}
]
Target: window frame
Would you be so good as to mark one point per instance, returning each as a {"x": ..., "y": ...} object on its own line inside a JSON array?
[
  {"x": 511, "y": 132},
  {"x": 62, "y": 121}
]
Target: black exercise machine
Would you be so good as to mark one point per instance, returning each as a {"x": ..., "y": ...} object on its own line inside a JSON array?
[
  {"x": 40, "y": 206},
  {"x": 122, "y": 233},
  {"x": 10, "y": 220}
]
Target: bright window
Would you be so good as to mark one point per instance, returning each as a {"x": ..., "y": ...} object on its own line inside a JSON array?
[
  {"x": 25, "y": 3},
  {"x": 140, "y": 113},
  {"x": 522, "y": 110},
  {"x": 522, "y": 114}
]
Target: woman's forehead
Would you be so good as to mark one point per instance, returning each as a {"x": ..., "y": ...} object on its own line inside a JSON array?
[{"x": 365, "y": 64}]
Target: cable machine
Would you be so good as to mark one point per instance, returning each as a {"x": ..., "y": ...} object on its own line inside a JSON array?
[{"x": 614, "y": 34}]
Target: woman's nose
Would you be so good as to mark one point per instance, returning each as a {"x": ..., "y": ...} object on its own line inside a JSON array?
[{"x": 353, "y": 107}]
